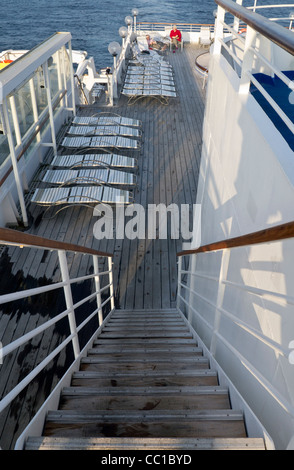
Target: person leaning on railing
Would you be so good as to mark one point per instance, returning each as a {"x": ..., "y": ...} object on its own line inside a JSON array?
[{"x": 176, "y": 37}]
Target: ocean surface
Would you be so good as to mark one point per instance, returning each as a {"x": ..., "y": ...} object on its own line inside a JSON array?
[{"x": 95, "y": 23}]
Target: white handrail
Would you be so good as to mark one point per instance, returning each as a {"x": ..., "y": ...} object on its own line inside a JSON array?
[
  {"x": 255, "y": 24},
  {"x": 71, "y": 307}
]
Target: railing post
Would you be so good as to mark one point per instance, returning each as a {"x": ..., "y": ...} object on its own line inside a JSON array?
[
  {"x": 97, "y": 286},
  {"x": 247, "y": 60},
  {"x": 69, "y": 301},
  {"x": 111, "y": 290},
  {"x": 180, "y": 260},
  {"x": 219, "y": 30}
]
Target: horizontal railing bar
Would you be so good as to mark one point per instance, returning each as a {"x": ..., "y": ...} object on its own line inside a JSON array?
[
  {"x": 252, "y": 370},
  {"x": 89, "y": 297},
  {"x": 253, "y": 290},
  {"x": 86, "y": 321},
  {"x": 25, "y": 338},
  {"x": 25, "y": 239},
  {"x": 178, "y": 23},
  {"x": 5, "y": 298},
  {"x": 280, "y": 74},
  {"x": 11, "y": 297},
  {"x": 272, "y": 102},
  {"x": 231, "y": 53},
  {"x": 259, "y": 7},
  {"x": 280, "y": 36},
  {"x": 268, "y": 235},
  {"x": 88, "y": 276},
  {"x": 21, "y": 385}
]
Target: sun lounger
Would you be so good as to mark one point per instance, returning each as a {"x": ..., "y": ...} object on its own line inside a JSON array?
[
  {"x": 104, "y": 130},
  {"x": 53, "y": 197},
  {"x": 93, "y": 160},
  {"x": 100, "y": 142},
  {"x": 106, "y": 120},
  {"x": 85, "y": 177}
]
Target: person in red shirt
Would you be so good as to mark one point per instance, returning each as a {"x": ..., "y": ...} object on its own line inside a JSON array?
[{"x": 175, "y": 36}]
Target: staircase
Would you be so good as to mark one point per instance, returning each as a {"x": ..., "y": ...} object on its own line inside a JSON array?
[{"x": 145, "y": 385}]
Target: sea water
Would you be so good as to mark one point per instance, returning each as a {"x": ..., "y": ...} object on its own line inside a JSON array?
[{"x": 95, "y": 23}]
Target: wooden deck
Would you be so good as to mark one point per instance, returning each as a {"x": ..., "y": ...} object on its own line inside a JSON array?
[{"x": 145, "y": 271}]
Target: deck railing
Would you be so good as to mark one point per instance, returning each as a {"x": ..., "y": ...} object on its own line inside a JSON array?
[
  {"x": 269, "y": 235},
  {"x": 191, "y": 295},
  {"x": 254, "y": 24},
  {"x": 21, "y": 240},
  {"x": 184, "y": 27}
]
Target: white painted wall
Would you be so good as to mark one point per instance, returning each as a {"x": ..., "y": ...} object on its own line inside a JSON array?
[{"x": 246, "y": 184}]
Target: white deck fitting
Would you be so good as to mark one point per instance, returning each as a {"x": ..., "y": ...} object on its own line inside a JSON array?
[
  {"x": 83, "y": 176},
  {"x": 93, "y": 160},
  {"x": 100, "y": 142}
]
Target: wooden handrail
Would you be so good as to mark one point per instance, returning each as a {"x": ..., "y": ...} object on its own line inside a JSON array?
[
  {"x": 272, "y": 234},
  {"x": 10, "y": 236}
]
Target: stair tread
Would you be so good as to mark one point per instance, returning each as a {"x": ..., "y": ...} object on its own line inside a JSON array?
[
  {"x": 185, "y": 390},
  {"x": 125, "y": 443},
  {"x": 145, "y": 341},
  {"x": 191, "y": 415},
  {"x": 168, "y": 373},
  {"x": 125, "y": 359},
  {"x": 116, "y": 349},
  {"x": 178, "y": 423}
]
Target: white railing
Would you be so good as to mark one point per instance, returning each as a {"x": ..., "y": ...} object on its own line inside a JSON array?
[
  {"x": 191, "y": 296},
  {"x": 11, "y": 237},
  {"x": 255, "y": 25},
  {"x": 184, "y": 27}
]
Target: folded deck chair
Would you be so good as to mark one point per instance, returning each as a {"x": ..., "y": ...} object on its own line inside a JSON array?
[
  {"x": 104, "y": 130},
  {"x": 205, "y": 38},
  {"x": 150, "y": 86},
  {"x": 106, "y": 120},
  {"x": 66, "y": 197},
  {"x": 85, "y": 177},
  {"x": 93, "y": 160},
  {"x": 166, "y": 80},
  {"x": 100, "y": 142}
]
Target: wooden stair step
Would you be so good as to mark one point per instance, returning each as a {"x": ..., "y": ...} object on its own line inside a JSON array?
[
  {"x": 144, "y": 398},
  {"x": 105, "y": 423},
  {"x": 145, "y": 334},
  {"x": 163, "y": 379},
  {"x": 145, "y": 359},
  {"x": 126, "y": 443},
  {"x": 149, "y": 347},
  {"x": 143, "y": 312},
  {"x": 143, "y": 355},
  {"x": 92, "y": 363},
  {"x": 146, "y": 342},
  {"x": 154, "y": 329},
  {"x": 151, "y": 350}
]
